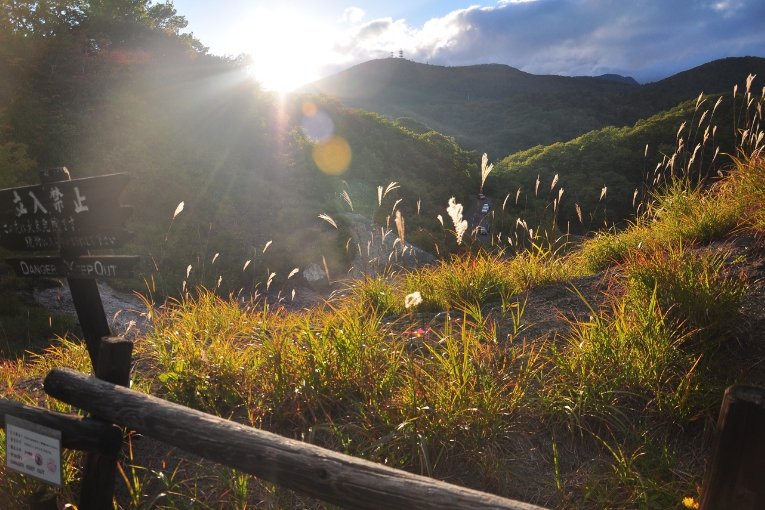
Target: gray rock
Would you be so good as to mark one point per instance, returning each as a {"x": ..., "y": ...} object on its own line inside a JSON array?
[
  {"x": 316, "y": 277},
  {"x": 379, "y": 250},
  {"x": 125, "y": 312}
]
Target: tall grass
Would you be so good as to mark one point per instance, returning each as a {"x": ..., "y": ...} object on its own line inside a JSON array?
[
  {"x": 482, "y": 278},
  {"x": 694, "y": 288},
  {"x": 681, "y": 213},
  {"x": 620, "y": 366},
  {"x": 746, "y": 187}
]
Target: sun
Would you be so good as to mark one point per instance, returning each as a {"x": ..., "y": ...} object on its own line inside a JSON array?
[{"x": 287, "y": 49}]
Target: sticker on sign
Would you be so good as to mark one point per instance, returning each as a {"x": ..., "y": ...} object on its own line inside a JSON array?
[{"x": 33, "y": 450}]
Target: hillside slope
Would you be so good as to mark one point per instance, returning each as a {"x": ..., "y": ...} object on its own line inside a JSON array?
[
  {"x": 621, "y": 161},
  {"x": 500, "y": 110}
]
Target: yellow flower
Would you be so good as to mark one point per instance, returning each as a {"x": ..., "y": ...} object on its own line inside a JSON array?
[{"x": 689, "y": 502}]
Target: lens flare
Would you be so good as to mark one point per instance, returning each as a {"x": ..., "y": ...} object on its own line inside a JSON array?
[
  {"x": 316, "y": 124},
  {"x": 309, "y": 108},
  {"x": 333, "y": 156}
]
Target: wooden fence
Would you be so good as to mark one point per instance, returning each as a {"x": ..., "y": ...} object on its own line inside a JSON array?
[
  {"x": 306, "y": 468},
  {"x": 735, "y": 477},
  {"x": 318, "y": 472}
]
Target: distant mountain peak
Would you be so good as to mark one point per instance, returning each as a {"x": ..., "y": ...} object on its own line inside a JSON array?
[{"x": 619, "y": 78}]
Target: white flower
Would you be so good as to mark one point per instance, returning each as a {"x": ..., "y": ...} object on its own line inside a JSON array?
[
  {"x": 455, "y": 213},
  {"x": 413, "y": 299}
]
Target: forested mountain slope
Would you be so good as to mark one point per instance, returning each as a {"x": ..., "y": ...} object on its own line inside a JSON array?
[{"x": 500, "y": 110}]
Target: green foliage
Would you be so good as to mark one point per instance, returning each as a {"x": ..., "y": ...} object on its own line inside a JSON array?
[
  {"x": 686, "y": 214},
  {"x": 342, "y": 376},
  {"x": 642, "y": 473},
  {"x": 15, "y": 165},
  {"x": 483, "y": 278},
  {"x": 376, "y": 294},
  {"x": 607, "y": 173},
  {"x": 623, "y": 364},
  {"x": 195, "y": 354},
  {"x": 107, "y": 24},
  {"x": 462, "y": 388},
  {"x": 680, "y": 214},
  {"x": 646, "y": 362},
  {"x": 26, "y": 326},
  {"x": 693, "y": 288},
  {"x": 745, "y": 187},
  {"x": 608, "y": 249},
  {"x": 412, "y": 125},
  {"x": 500, "y": 110}
]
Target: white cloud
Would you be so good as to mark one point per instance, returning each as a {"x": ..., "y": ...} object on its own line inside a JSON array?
[
  {"x": 727, "y": 5},
  {"x": 353, "y": 14},
  {"x": 646, "y": 39},
  {"x": 375, "y": 39}
]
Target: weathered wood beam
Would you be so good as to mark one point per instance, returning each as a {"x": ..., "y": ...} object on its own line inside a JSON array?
[
  {"x": 77, "y": 433},
  {"x": 736, "y": 476},
  {"x": 330, "y": 476}
]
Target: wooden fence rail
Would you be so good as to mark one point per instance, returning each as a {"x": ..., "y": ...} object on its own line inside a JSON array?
[
  {"x": 77, "y": 433},
  {"x": 324, "y": 474}
]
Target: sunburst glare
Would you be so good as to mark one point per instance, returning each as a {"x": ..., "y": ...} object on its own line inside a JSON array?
[{"x": 287, "y": 48}]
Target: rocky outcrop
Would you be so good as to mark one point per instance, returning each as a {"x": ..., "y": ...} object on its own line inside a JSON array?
[
  {"x": 379, "y": 250},
  {"x": 125, "y": 312}
]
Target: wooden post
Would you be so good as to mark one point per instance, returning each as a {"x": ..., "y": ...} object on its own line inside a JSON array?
[
  {"x": 114, "y": 360},
  {"x": 339, "y": 479},
  {"x": 90, "y": 314},
  {"x": 98, "y": 477},
  {"x": 736, "y": 476},
  {"x": 85, "y": 296}
]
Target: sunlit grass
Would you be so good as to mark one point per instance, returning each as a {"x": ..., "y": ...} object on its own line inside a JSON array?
[
  {"x": 623, "y": 365},
  {"x": 746, "y": 187},
  {"x": 681, "y": 214},
  {"x": 485, "y": 278},
  {"x": 693, "y": 287}
]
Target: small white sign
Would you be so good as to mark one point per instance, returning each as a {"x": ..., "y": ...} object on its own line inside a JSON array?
[{"x": 33, "y": 449}]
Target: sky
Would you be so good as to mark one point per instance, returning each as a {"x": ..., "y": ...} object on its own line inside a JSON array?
[{"x": 293, "y": 42}]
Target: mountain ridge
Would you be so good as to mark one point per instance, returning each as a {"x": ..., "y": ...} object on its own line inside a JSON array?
[
  {"x": 499, "y": 109},
  {"x": 619, "y": 78}
]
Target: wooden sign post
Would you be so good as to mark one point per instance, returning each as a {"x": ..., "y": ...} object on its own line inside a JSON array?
[
  {"x": 72, "y": 217},
  {"x": 736, "y": 476}
]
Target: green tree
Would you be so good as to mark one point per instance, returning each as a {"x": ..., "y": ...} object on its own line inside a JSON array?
[
  {"x": 16, "y": 166},
  {"x": 41, "y": 18}
]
